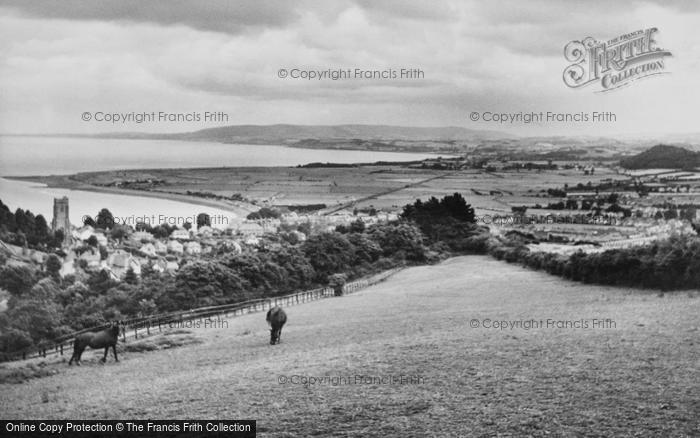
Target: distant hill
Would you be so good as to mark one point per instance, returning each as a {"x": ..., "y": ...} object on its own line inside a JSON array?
[
  {"x": 356, "y": 137},
  {"x": 292, "y": 133},
  {"x": 663, "y": 157}
]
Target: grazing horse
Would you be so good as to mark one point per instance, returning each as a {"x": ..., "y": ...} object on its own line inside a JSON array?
[
  {"x": 105, "y": 338},
  {"x": 276, "y": 318}
]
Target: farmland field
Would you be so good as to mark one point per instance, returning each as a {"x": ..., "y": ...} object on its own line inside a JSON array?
[
  {"x": 636, "y": 374},
  {"x": 387, "y": 187}
]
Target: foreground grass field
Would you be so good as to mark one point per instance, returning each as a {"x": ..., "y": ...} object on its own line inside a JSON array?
[{"x": 636, "y": 377}]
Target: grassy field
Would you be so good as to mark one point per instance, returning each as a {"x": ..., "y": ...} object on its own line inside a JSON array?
[
  {"x": 638, "y": 377},
  {"x": 387, "y": 187}
]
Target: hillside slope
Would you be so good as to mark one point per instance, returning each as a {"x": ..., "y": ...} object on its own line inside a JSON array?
[
  {"x": 637, "y": 376},
  {"x": 663, "y": 157}
]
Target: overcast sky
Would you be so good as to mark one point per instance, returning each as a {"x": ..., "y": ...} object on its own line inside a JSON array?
[{"x": 58, "y": 60}]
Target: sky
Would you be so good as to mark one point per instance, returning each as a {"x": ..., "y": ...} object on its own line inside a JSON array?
[{"x": 186, "y": 57}]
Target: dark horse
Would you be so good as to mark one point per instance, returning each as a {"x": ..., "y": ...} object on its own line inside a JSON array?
[
  {"x": 105, "y": 338},
  {"x": 276, "y": 318}
]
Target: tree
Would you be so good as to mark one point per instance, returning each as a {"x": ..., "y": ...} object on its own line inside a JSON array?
[
  {"x": 203, "y": 220},
  {"x": 143, "y": 226},
  {"x": 399, "y": 240},
  {"x": 14, "y": 340},
  {"x": 41, "y": 230},
  {"x": 202, "y": 283},
  {"x": 337, "y": 281},
  {"x": 18, "y": 280},
  {"x": 92, "y": 241},
  {"x": 53, "y": 265},
  {"x": 58, "y": 237},
  {"x": 264, "y": 213},
  {"x": 366, "y": 249},
  {"x": 118, "y": 232},
  {"x": 329, "y": 253},
  {"x": 357, "y": 226},
  {"x": 88, "y": 220},
  {"x": 104, "y": 219},
  {"x": 187, "y": 225},
  {"x": 131, "y": 277}
]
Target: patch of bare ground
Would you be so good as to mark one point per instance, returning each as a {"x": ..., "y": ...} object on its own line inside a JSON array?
[{"x": 638, "y": 377}]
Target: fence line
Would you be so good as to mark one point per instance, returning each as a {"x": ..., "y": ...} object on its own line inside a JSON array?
[{"x": 134, "y": 326}]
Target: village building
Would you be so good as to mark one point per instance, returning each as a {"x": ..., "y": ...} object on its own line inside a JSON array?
[
  {"x": 120, "y": 261},
  {"x": 141, "y": 237},
  {"x": 175, "y": 247},
  {"x": 205, "y": 231},
  {"x": 149, "y": 249},
  {"x": 180, "y": 234},
  {"x": 249, "y": 228},
  {"x": 193, "y": 248},
  {"x": 91, "y": 257},
  {"x": 161, "y": 248}
]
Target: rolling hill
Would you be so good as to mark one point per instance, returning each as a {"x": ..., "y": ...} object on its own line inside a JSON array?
[
  {"x": 469, "y": 328},
  {"x": 663, "y": 157}
]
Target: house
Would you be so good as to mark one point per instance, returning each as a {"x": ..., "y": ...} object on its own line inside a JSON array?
[
  {"x": 163, "y": 265},
  {"x": 193, "y": 248},
  {"x": 180, "y": 234},
  {"x": 175, "y": 247},
  {"x": 149, "y": 249},
  {"x": 120, "y": 261},
  {"x": 92, "y": 257},
  {"x": 141, "y": 237},
  {"x": 269, "y": 225},
  {"x": 251, "y": 241},
  {"x": 205, "y": 231},
  {"x": 83, "y": 233},
  {"x": 232, "y": 246},
  {"x": 68, "y": 265},
  {"x": 101, "y": 238},
  {"x": 301, "y": 237},
  {"x": 160, "y": 247},
  {"x": 248, "y": 228}
]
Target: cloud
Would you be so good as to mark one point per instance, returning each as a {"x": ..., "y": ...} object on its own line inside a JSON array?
[
  {"x": 211, "y": 15},
  {"x": 184, "y": 56}
]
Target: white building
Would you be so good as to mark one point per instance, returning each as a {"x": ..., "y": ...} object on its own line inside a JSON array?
[
  {"x": 248, "y": 228},
  {"x": 120, "y": 261},
  {"x": 149, "y": 249},
  {"x": 160, "y": 247},
  {"x": 175, "y": 247},
  {"x": 180, "y": 234},
  {"x": 193, "y": 248}
]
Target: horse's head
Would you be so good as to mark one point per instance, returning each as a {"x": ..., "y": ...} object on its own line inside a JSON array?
[{"x": 115, "y": 327}]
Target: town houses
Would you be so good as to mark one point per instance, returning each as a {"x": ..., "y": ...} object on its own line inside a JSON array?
[{"x": 121, "y": 250}]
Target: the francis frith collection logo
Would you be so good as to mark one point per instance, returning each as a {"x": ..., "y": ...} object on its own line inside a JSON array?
[{"x": 614, "y": 63}]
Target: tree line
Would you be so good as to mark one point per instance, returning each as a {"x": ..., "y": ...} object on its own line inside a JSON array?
[{"x": 25, "y": 228}]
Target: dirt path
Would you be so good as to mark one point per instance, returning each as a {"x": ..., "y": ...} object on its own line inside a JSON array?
[{"x": 639, "y": 376}]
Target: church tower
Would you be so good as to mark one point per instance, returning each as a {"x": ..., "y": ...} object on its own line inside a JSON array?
[{"x": 60, "y": 215}]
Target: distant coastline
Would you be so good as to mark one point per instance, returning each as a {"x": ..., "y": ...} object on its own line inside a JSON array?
[{"x": 67, "y": 182}]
